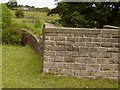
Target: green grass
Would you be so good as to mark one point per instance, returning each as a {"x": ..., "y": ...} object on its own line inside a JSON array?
[
  {"x": 25, "y": 22},
  {"x": 21, "y": 69},
  {"x": 41, "y": 15}
]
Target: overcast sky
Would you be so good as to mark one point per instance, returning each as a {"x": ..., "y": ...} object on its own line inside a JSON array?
[{"x": 36, "y": 3}]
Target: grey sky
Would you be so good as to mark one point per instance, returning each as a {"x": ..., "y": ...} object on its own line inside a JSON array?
[{"x": 36, "y": 3}]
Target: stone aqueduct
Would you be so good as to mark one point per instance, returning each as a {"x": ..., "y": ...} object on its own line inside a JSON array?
[{"x": 79, "y": 52}]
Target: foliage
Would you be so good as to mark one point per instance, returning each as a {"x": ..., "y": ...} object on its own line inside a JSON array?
[
  {"x": 29, "y": 22},
  {"x": 88, "y": 14},
  {"x": 10, "y": 30},
  {"x": 12, "y": 4},
  {"x": 44, "y": 9},
  {"x": 19, "y": 13},
  {"x": 0, "y": 15},
  {"x": 11, "y": 35},
  {"x": 38, "y": 23},
  {"x": 6, "y": 17}
]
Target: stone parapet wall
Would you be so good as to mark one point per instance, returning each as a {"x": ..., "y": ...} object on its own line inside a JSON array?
[
  {"x": 35, "y": 43},
  {"x": 81, "y": 52}
]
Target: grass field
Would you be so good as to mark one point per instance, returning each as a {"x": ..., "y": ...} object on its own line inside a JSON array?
[
  {"x": 21, "y": 69},
  {"x": 30, "y": 18},
  {"x": 41, "y": 15}
]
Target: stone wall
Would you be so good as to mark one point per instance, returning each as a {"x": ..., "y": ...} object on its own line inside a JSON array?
[
  {"x": 35, "y": 43},
  {"x": 81, "y": 52}
]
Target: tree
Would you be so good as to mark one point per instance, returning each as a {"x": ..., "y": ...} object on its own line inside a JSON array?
[
  {"x": 88, "y": 14},
  {"x": 19, "y": 14},
  {"x": 12, "y": 4},
  {"x": 6, "y": 17}
]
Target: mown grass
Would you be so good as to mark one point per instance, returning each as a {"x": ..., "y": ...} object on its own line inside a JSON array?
[{"x": 22, "y": 69}]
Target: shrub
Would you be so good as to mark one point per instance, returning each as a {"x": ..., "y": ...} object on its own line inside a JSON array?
[
  {"x": 19, "y": 14},
  {"x": 6, "y": 17},
  {"x": 11, "y": 35},
  {"x": 38, "y": 23}
]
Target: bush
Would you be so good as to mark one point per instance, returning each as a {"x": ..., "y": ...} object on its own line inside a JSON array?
[
  {"x": 11, "y": 35},
  {"x": 19, "y": 14},
  {"x": 38, "y": 23},
  {"x": 6, "y": 17}
]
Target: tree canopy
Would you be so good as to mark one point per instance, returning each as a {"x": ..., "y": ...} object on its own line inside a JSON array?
[
  {"x": 88, "y": 14},
  {"x": 12, "y": 4}
]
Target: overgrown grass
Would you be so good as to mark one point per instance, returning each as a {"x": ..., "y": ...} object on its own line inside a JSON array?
[{"x": 21, "y": 69}]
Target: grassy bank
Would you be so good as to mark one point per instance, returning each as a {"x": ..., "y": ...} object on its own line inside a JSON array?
[
  {"x": 21, "y": 69},
  {"x": 30, "y": 18}
]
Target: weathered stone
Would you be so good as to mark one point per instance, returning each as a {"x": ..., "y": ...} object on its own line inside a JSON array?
[
  {"x": 69, "y": 59},
  {"x": 59, "y": 59},
  {"x": 93, "y": 73},
  {"x": 50, "y": 43},
  {"x": 79, "y": 60},
  {"x": 60, "y": 43},
  {"x": 80, "y": 73},
  {"x": 112, "y": 50},
  {"x": 80, "y": 52},
  {"x": 73, "y": 39},
  {"x": 105, "y": 36},
  {"x": 92, "y": 35},
  {"x": 65, "y": 72},
  {"x": 78, "y": 66},
  {"x": 115, "y": 67},
  {"x": 109, "y": 74},
  {"x": 115, "y": 36},
  {"x": 61, "y": 53},
  {"x": 115, "y": 56},
  {"x": 115, "y": 40},
  {"x": 85, "y": 40},
  {"x": 92, "y": 67},
  {"x": 92, "y": 44},
  {"x": 52, "y": 59},
  {"x": 54, "y": 38},
  {"x": 51, "y": 34},
  {"x": 106, "y": 45},
  {"x": 106, "y": 67},
  {"x": 55, "y": 48},
  {"x": 108, "y": 55},
  {"x": 108, "y": 31},
  {"x": 65, "y": 35},
  {"x": 87, "y": 49},
  {"x": 47, "y": 38},
  {"x": 102, "y": 61},
  {"x": 46, "y": 58},
  {"x": 50, "y": 30},
  {"x": 101, "y": 50},
  {"x": 113, "y": 61},
  {"x": 90, "y": 61},
  {"x": 78, "y": 44},
  {"x": 49, "y": 53},
  {"x": 78, "y": 35},
  {"x": 85, "y": 60},
  {"x": 116, "y": 45},
  {"x": 97, "y": 55},
  {"x": 48, "y": 65},
  {"x": 99, "y": 40},
  {"x": 69, "y": 48}
]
